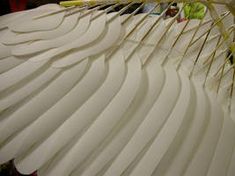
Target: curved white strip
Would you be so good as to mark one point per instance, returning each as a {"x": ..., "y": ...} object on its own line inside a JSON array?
[
  {"x": 15, "y": 17},
  {"x": 77, "y": 32},
  {"x": 9, "y": 63},
  {"x": 19, "y": 73},
  {"x": 66, "y": 26},
  {"x": 176, "y": 165},
  {"x": 28, "y": 24},
  {"x": 103, "y": 124},
  {"x": 105, "y": 92},
  {"x": 182, "y": 111},
  {"x": 224, "y": 150},
  {"x": 56, "y": 114},
  {"x": 200, "y": 163},
  {"x": 5, "y": 51},
  {"x": 151, "y": 124},
  {"x": 95, "y": 30},
  {"x": 41, "y": 102},
  {"x": 152, "y": 86},
  {"x": 59, "y": 143},
  {"x": 111, "y": 37},
  {"x": 22, "y": 92},
  {"x": 231, "y": 169}
]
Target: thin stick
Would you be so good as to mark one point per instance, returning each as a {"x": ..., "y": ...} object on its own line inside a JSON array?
[
  {"x": 162, "y": 37},
  {"x": 133, "y": 13},
  {"x": 220, "y": 80},
  {"x": 74, "y": 11},
  {"x": 181, "y": 33},
  {"x": 140, "y": 21},
  {"x": 227, "y": 58},
  {"x": 148, "y": 32},
  {"x": 187, "y": 48},
  {"x": 214, "y": 24},
  {"x": 131, "y": 31},
  {"x": 54, "y": 12},
  {"x": 223, "y": 65},
  {"x": 193, "y": 28},
  {"x": 222, "y": 29},
  {"x": 227, "y": 72},
  {"x": 232, "y": 91},
  {"x": 211, "y": 62},
  {"x": 121, "y": 11},
  {"x": 206, "y": 62},
  {"x": 175, "y": 42},
  {"x": 199, "y": 53},
  {"x": 222, "y": 75},
  {"x": 156, "y": 22},
  {"x": 204, "y": 23},
  {"x": 104, "y": 11}
]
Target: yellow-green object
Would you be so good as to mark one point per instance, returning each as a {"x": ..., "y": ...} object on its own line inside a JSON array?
[
  {"x": 77, "y": 3},
  {"x": 194, "y": 10},
  {"x": 95, "y": 2}
]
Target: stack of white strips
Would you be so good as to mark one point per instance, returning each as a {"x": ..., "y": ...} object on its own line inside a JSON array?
[{"x": 93, "y": 94}]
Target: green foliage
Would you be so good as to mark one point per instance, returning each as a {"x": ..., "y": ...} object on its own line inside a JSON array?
[{"x": 194, "y": 10}]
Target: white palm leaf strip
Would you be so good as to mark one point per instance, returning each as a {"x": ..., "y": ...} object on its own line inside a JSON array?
[
  {"x": 42, "y": 45},
  {"x": 100, "y": 22},
  {"x": 68, "y": 24},
  {"x": 224, "y": 150},
  {"x": 8, "y": 19},
  {"x": 19, "y": 93},
  {"x": 81, "y": 27},
  {"x": 27, "y": 23},
  {"x": 181, "y": 110},
  {"x": 20, "y": 72},
  {"x": 95, "y": 30},
  {"x": 109, "y": 40},
  {"x": 9, "y": 62},
  {"x": 231, "y": 169},
  {"x": 190, "y": 138},
  {"x": 41, "y": 102},
  {"x": 203, "y": 155},
  {"x": 5, "y": 51},
  {"x": 92, "y": 78}
]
